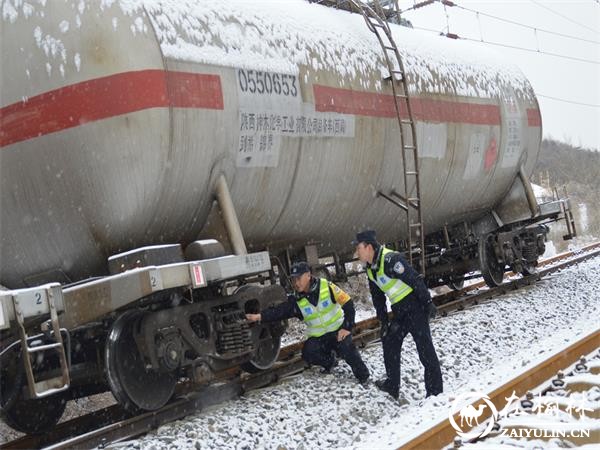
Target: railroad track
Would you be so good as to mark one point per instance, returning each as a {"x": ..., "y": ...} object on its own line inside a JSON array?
[
  {"x": 444, "y": 434},
  {"x": 478, "y": 292},
  {"x": 112, "y": 424},
  {"x": 545, "y": 267}
]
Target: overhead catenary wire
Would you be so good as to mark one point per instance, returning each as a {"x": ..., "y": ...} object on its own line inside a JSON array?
[
  {"x": 568, "y": 101},
  {"x": 503, "y": 19},
  {"x": 563, "y": 16},
  {"x": 479, "y": 25},
  {"x": 420, "y": 5},
  {"x": 536, "y": 29},
  {"x": 514, "y": 47},
  {"x": 447, "y": 19},
  {"x": 557, "y": 55}
]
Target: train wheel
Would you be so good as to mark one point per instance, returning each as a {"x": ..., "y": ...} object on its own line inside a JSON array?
[
  {"x": 491, "y": 270},
  {"x": 266, "y": 354},
  {"x": 135, "y": 386},
  {"x": 268, "y": 341},
  {"x": 12, "y": 376},
  {"x": 33, "y": 416}
]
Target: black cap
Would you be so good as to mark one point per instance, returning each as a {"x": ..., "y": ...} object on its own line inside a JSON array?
[
  {"x": 367, "y": 236},
  {"x": 299, "y": 268}
]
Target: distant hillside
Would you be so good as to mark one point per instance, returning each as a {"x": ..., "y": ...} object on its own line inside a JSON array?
[{"x": 562, "y": 164}]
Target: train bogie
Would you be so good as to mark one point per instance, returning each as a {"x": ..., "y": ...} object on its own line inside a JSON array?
[{"x": 176, "y": 319}]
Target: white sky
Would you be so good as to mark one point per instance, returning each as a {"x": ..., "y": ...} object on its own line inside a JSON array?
[{"x": 562, "y": 78}]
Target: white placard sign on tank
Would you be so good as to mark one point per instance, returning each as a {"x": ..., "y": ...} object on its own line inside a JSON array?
[
  {"x": 475, "y": 158},
  {"x": 271, "y": 108},
  {"x": 432, "y": 139},
  {"x": 513, "y": 133}
]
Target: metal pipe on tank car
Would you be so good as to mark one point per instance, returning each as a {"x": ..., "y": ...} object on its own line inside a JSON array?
[
  {"x": 529, "y": 194},
  {"x": 234, "y": 231}
]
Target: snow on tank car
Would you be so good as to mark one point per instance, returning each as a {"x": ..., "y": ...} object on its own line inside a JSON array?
[{"x": 130, "y": 125}]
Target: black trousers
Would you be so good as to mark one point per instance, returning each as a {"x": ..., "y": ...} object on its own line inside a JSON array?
[
  {"x": 411, "y": 316},
  {"x": 319, "y": 351}
]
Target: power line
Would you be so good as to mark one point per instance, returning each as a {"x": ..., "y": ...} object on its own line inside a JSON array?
[
  {"x": 563, "y": 16},
  {"x": 568, "y": 101},
  {"x": 447, "y": 19},
  {"x": 526, "y": 26},
  {"x": 514, "y": 47},
  {"x": 557, "y": 55},
  {"x": 425, "y": 3}
]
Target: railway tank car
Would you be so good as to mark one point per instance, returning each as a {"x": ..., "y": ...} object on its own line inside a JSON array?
[{"x": 133, "y": 132}]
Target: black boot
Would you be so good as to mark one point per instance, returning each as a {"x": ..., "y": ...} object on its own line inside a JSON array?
[
  {"x": 385, "y": 386},
  {"x": 327, "y": 370}
]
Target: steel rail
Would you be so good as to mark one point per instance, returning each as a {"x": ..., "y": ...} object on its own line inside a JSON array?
[
  {"x": 468, "y": 298},
  {"x": 443, "y": 434},
  {"x": 444, "y": 298},
  {"x": 112, "y": 424}
]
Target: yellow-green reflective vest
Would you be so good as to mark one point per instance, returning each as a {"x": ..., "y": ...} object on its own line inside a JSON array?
[
  {"x": 327, "y": 316},
  {"x": 394, "y": 288}
]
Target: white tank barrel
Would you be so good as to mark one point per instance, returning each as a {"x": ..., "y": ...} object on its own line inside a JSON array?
[{"x": 118, "y": 117}]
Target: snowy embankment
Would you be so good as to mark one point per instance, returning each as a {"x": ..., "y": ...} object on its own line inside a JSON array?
[{"x": 478, "y": 348}]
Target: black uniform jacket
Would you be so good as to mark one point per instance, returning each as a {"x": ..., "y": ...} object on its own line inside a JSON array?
[
  {"x": 290, "y": 309},
  {"x": 395, "y": 266}
]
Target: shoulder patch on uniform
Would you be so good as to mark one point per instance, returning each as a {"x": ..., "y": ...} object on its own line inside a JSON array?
[
  {"x": 399, "y": 267},
  {"x": 339, "y": 295}
]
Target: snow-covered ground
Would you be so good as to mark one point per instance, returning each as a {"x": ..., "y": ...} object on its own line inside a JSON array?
[
  {"x": 572, "y": 410},
  {"x": 478, "y": 348}
]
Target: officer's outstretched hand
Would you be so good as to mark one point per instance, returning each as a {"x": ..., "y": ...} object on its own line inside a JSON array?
[
  {"x": 342, "y": 334},
  {"x": 253, "y": 317}
]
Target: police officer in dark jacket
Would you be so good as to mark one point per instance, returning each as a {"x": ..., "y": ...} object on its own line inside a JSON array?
[
  {"x": 391, "y": 276},
  {"x": 329, "y": 315}
]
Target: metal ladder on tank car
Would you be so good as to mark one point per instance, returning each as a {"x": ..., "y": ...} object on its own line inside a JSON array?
[
  {"x": 43, "y": 298},
  {"x": 410, "y": 203}
]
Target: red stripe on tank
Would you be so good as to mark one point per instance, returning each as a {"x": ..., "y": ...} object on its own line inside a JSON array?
[
  {"x": 105, "y": 97},
  {"x": 534, "y": 119},
  {"x": 348, "y": 101}
]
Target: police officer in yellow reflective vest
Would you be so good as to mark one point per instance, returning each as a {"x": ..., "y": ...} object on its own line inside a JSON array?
[
  {"x": 392, "y": 277},
  {"x": 329, "y": 316}
]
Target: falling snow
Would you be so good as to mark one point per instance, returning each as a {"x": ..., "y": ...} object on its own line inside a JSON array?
[
  {"x": 478, "y": 348},
  {"x": 283, "y": 36}
]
